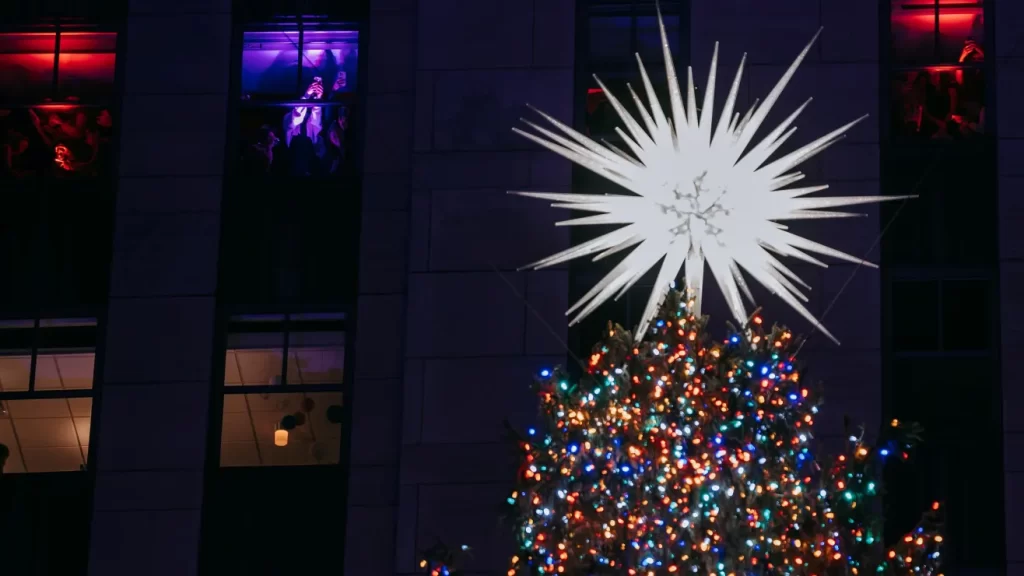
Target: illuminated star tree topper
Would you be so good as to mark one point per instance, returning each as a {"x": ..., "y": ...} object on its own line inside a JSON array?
[{"x": 698, "y": 193}]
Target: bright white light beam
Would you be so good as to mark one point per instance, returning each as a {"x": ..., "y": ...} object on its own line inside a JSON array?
[{"x": 695, "y": 196}]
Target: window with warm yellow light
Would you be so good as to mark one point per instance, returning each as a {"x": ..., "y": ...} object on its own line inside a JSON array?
[{"x": 283, "y": 399}]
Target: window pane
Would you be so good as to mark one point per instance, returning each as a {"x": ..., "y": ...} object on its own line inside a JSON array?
[
  {"x": 301, "y": 142},
  {"x": 290, "y": 244},
  {"x": 962, "y": 34},
  {"x": 913, "y": 32},
  {"x": 649, "y": 38},
  {"x": 64, "y": 370},
  {"x": 333, "y": 57},
  {"x": 316, "y": 357},
  {"x": 270, "y": 63},
  {"x": 63, "y": 140},
  {"x": 15, "y": 355},
  {"x": 602, "y": 119},
  {"x": 966, "y": 321},
  {"x": 26, "y": 65},
  {"x": 294, "y": 429},
  {"x": 969, "y": 189},
  {"x": 915, "y": 315},
  {"x": 254, "y": 359},
  {"x": 86, "y": 65},
  {"x": 938, "y": 103},
  {"x": 609, "y": 39},
  {"x": 46, "y": 435}
]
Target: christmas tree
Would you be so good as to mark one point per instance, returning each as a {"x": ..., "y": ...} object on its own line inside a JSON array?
[{"x": 686, "y": 455}]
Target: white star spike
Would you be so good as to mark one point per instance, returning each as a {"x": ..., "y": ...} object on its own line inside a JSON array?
[{"x": 696, "y": 196}]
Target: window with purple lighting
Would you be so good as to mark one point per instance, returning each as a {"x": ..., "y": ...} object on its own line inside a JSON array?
[
  {"x": 283, "y": 398},
  {"x": 298, "y": 87},
  {"x": 290, "y": 227}
]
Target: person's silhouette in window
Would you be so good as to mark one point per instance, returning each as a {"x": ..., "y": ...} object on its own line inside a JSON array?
[
  {"x": 259, "y": 156},
  {"x": 334, "y": 156},
  {"x": 303, "y": 126},
  {"x": 909, "y": 99},
  {"x": 15, "y": 155},
  {"x": 71, "y": 152}
]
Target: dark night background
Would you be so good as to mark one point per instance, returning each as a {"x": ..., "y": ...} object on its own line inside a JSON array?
[{"x": 174, "y": 295}]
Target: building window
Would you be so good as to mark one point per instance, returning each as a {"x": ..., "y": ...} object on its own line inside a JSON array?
[
  {"x": 291, "y": 217},
  {"x": 46, "y": 388},
  {"x": 55, "y": 104},
  {"x": 616, "y": 33},
  {"x": 283, "y": 397},
  {"x": 610, "y": 34},
  {"x": 298, "y": 89},
  {"x": 56, "y": 127},
  {"x": 938, "y": 81}
]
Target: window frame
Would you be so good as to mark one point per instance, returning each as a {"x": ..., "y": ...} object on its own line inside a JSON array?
[
  {"x": 330, "y": 322},
  {"x": 885, "y": 59},
  {"x": 300, "y": 22},
  {"x": 583, "y": 274},
  {"x": 250, "y": 16},
  {"x": 44, "y": 188},
  {"x": 257, "y": 17},
  {"x": 37, "y": 325}
]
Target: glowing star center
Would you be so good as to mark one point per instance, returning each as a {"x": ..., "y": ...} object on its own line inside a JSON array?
[{"x": 695, "y": 209}]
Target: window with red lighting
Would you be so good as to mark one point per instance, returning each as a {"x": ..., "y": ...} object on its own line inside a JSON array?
[
  {"x": 55, "y": 114},
  {"x": 937, "y": 52},
  {"x": 283, "y": 378}
]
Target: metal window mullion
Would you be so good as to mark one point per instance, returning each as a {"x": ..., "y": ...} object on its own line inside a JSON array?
[
  {"x": 287, "y": 342},
  {"x": 32, "y": 358},
  {"x": 940, "y": 315},
  {"x": 298, "y": 71},
  {"x": 56, "y": 64},
  {"x": 935, "y": 47}
]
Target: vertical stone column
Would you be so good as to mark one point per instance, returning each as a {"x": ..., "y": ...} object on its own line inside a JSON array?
[
  {"x": 477, "y": 330},
  {"x": 152, "y": 410},
  {"x": 1009, "y": 55},
  {"x": 841, "y": 74},
  {"x": 380, "y": 318}
]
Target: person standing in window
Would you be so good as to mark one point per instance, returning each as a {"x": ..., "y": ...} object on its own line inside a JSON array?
[
  {"x": 335, "y": 154},
  {"x": 302, "y": 130}
]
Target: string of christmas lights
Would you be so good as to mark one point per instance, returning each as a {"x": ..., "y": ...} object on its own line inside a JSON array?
[{"x": 683, "y": 455}]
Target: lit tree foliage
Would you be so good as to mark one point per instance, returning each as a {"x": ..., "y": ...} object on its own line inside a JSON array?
[{"x": 683, "y": 454}]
